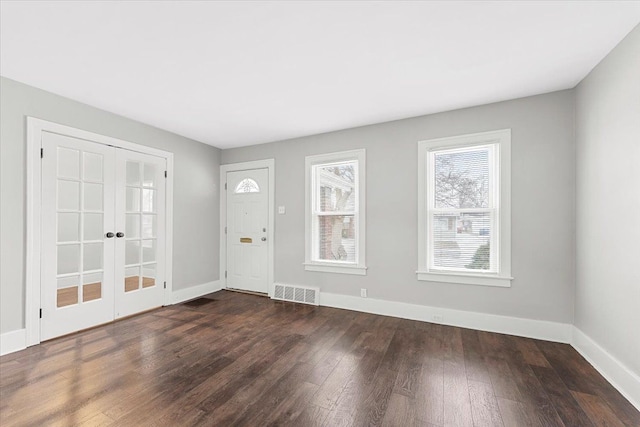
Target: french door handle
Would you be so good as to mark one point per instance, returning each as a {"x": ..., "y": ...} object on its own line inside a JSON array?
[
  {"x": 119, "y": 234},
  {"x": 109, "y": 235}
]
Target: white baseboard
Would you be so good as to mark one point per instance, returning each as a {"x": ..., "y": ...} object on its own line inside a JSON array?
[
  {"x": 13, "y": 341},
  {"x": 614, "y": 371},
  {"x": 192, "y": 292},
  {"x": 538, "y": 329}
]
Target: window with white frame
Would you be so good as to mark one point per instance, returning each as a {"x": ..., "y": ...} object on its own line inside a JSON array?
[
  {"x": 335, "y": 205},
  {"x": 464, "y": 209}
]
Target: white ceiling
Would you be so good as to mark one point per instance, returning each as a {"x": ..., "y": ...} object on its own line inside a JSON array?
[{"x": 240, "y": 73}]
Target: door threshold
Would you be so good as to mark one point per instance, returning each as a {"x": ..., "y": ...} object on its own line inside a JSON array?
[
  {"x": 128, "y": 316},
  {"x": 242, "y": 291}
]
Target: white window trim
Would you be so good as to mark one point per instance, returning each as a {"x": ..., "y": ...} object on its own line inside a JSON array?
[
  {"x": 359, "y": 266},
  {"x": 503, "y": 277}
]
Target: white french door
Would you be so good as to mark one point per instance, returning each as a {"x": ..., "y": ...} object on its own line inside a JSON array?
[
  {"x": 77, "y": 284},
  {"x": 103, "y": 233},
  {"x": 139, "y": 221},
  {"x": 247, "y": 222}
]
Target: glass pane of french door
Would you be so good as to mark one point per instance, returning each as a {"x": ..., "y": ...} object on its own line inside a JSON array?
[
  {"x": 140, "y": 225},
  {"x": 80, "y": 222}
]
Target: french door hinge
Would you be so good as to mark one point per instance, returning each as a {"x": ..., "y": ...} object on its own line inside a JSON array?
[
  {"x": 42, "y": 153},
  {"x": 225, "y": 274},
  {"x": 41, "y": 313},
  {"x": 225, "y": 230},
  {"x": 165, "y": 285},
  {"x": 165, "y": 174},
  {"x": 225, "y": 185}
]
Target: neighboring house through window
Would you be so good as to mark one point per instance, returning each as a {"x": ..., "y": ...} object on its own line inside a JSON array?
[
  {"x": 335, "y": 205},
  {"x": 464, "y": 209}
]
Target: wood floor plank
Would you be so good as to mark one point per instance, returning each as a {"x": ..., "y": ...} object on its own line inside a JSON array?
[
  {"x": 537, "y": 403},
  {"x": 457, "y": 403},
  {"x": 372, "y": 411},
  {"x": 288, "y": 412},
  {"x": 580, "y": 376},
  {"x": 568, "y": 409},
  {"x": 401, "y": 411},
  {"x": 484, "y": 406},
  {"x": 430, "y": 395},
  {"x": 312, "y": 416},
  {"x": 515, "y": 414},
  {"x": 237, "y": 374},
  {"x": 456, "y": 400},
  {"x": 502, "y": 378},
  {"x": 282, "y": 395},
  {"x": 243, "y": 360},
  {"x": 356, "y": 390},
  {"x": 473, "y": 356},
  {"x": 330, "y": 359},
  {"x": 331, "y": 389},
  {"x": 410, "y": 368},
  {"x": 598, "y": 411},
  {"x": 531, "y": 353},
  {"x": 225, "y": 412}
]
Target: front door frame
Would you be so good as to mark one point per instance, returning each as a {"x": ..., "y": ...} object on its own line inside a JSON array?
[
  {"x": 270, "y": 165},
  {"x": 35, "y": 128}
]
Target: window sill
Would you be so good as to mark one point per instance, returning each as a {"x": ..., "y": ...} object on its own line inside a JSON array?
[
  {"x": 466, "y": 279},
  {"x": 336, "y": 268}
]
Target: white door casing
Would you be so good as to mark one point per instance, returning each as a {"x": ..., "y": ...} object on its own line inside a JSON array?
[
  {"x": 39, "y": 222},
  {"x": 247, "y": 230}
]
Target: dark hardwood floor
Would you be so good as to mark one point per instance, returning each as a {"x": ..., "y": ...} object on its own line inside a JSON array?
[{"x": 244, "y": 360}]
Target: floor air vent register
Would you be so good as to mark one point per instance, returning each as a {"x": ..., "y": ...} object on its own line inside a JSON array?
[{"x": 301, "y": 294}]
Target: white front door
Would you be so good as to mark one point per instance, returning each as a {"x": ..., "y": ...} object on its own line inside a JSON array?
[
  {"x": 103, "y": 234},
  {"x": 247, "y": 225},
  {"x": 78, "y": 211}
]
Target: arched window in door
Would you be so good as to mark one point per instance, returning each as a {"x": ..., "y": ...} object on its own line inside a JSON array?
[{"x": 247, "y": 185}]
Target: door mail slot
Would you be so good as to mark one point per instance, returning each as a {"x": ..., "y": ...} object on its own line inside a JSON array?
[{"x": 246, "y": 240}]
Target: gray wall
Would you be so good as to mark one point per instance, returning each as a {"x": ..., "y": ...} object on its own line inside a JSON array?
[
  {"x": 196, "y": 189},
  {"x": 608, "y": 203},
  {"x": 543, "y": 238}
]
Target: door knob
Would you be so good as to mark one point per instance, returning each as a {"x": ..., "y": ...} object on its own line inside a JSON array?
[
  {"x": 109, "y": 235},
  {"x": 119, "y": 234},
  {"x": 264, "y": 239}
]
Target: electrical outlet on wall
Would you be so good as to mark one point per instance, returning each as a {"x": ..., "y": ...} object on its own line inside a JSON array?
[
  {"x": 437, "y": 318},
  {"x": 282, "y": 210},
  {"x": 363, "y": 293}
]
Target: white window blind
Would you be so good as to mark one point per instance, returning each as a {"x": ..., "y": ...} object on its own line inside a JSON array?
[{"x": 463, "y": 209}]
